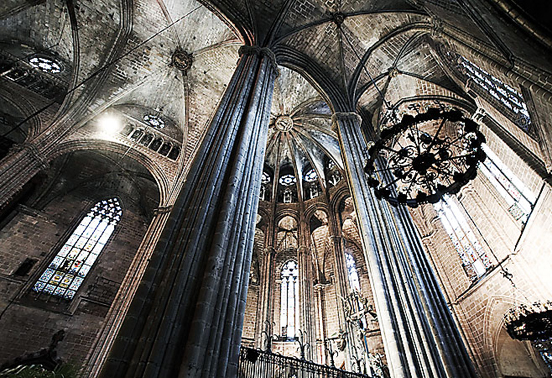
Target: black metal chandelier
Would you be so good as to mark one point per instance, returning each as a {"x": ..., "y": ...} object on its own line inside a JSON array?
[
  {"x": 533, "y": 323},
  {"x": 425, "y": 156}
]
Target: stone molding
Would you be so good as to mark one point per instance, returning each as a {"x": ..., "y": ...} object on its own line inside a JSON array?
[
  {"x": 33, "y": 152},
  {"x": 260, "y": 51}
]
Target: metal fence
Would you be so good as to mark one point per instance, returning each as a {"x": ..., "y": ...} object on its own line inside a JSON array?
[{"x": 258, "y": 364}]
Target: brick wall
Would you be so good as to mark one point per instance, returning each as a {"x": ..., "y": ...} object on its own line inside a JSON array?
[{"x": 38, "y": 234}]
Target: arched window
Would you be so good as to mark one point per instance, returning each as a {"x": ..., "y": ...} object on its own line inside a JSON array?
[
  {"x": 519, "y": 198},
  {"x": 505, "y": 94},
  {"x": 72, "y": 263},
  {"x": 289, "y": 308},
  {"x": 352, "y": 272},
  {"x": 473, "y": 256}
]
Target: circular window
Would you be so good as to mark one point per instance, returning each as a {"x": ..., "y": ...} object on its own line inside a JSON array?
[
  {"x": 45, "y": 64},
  {"x": 265, "y": 179},
  {"x": 310, "y": 176},
  {"x": 154, "y": 121},
  {"x": 287, "y": 180}
]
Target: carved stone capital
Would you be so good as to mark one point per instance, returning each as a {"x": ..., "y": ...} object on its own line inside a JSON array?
[
  {"x": 479, "y": 115},
  {"x": 437, "y": 27},
  {"x": 344, "y": 116},
  {"x": 260, "y": 51},
  {"x": 270, "y": 251}
]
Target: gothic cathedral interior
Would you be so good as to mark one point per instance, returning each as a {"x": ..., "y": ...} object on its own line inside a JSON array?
[{"x": 275, "y": 188}]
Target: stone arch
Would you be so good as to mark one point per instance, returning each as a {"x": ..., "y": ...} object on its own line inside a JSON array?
[
  {"x": 287, "y": 234},
  {"x": 49, "y": 227},
  {"x": 502, "y": 348},
  {"x": 320, "y": 244},
  {"x": 158, "y": 173},
  {"x": 22, "y": 105}
]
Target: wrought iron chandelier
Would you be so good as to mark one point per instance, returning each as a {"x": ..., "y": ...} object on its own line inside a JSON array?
[
  {"x": 425, "y": 156},
  {"x": 533, "y": 323}
]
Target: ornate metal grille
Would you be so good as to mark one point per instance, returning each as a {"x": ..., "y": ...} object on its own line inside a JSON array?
[{"x": 255, "y": 363}]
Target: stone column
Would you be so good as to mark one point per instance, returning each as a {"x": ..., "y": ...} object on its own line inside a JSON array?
[
  {"x": 419, "y": 334},
  {"x": 264, "y": 318},
  {"x": 306, "y": 299},
  {"x": 186, "y": 317},
  {"x": 118, "y": 309}
]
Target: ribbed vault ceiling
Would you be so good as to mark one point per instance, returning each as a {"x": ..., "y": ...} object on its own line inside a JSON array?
[
  {"x": 300, "y": 134},
  {"x": 340, "y": 47}
]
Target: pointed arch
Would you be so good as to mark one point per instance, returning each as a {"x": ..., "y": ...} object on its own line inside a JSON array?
[{"x": 65, "y": 274}]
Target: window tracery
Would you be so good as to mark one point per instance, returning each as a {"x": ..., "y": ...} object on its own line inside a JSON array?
[
  {"x": 288, "y": 180},
  {"x": 45, "y": 64},
  {"x": 154, "y": 121},
  {"x": 519, "y": 198},
  {"x": 311, "y": 175},
  {"x": 474, "y": 258},
  {"x": 288, "y": 195},
  {"x": 333, "y": 175},
  {"x": 265, "y": 188},
  {"x": 29, "y": 73},
  {"x": 68, "y": 269},
  {"x": 289, "y": 294}
]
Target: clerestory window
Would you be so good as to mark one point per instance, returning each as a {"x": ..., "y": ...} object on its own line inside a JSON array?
[
  {"x": 474, "y": 258},
  {"x": 505, "y": 94},
  {"x": 67, "y": 271},
  {"x": 519, "y": 198}
]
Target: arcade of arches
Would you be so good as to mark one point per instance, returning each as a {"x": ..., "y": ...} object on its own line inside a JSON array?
[{"x": 179, "y": 178}]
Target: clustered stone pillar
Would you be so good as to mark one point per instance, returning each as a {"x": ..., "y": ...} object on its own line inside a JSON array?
[
  {"x": 118, "y": 310},
  {"x": 187, "y": 315},
  {"x": 419, "y": 334}
]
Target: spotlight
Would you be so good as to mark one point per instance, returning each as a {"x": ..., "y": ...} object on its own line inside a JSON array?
[{"x": 109, "y": 123}]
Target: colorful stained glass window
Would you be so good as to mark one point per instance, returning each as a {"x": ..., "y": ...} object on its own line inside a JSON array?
[
  {"x": 289, "y": 310},
  {"x": 473, "y": 256},
  {"x": 352, "y": 272},
  {"x": 72, "y": 263},
  {"x": 519, "y": 198},
  {"x": 502, "y": 92}
]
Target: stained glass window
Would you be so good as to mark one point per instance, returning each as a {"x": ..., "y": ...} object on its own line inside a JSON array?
[
  {"x": 154, "y": 121},
  {"x": 311, "y": 176},
  {"x": 473, "y": 256},
  {"x": 352, "y": 272},
  {"x": 519, "y": 198},
  {"x": 45, "y": 64},
  {"x": 287, "y": 180},
  {"x": 289, "y": 310},
  {"x": 72, "y": 263},
  {"x": 502, "y": 92}
]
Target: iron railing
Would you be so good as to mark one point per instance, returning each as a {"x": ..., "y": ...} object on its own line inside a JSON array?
[{"x": 259, "y": 364}]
